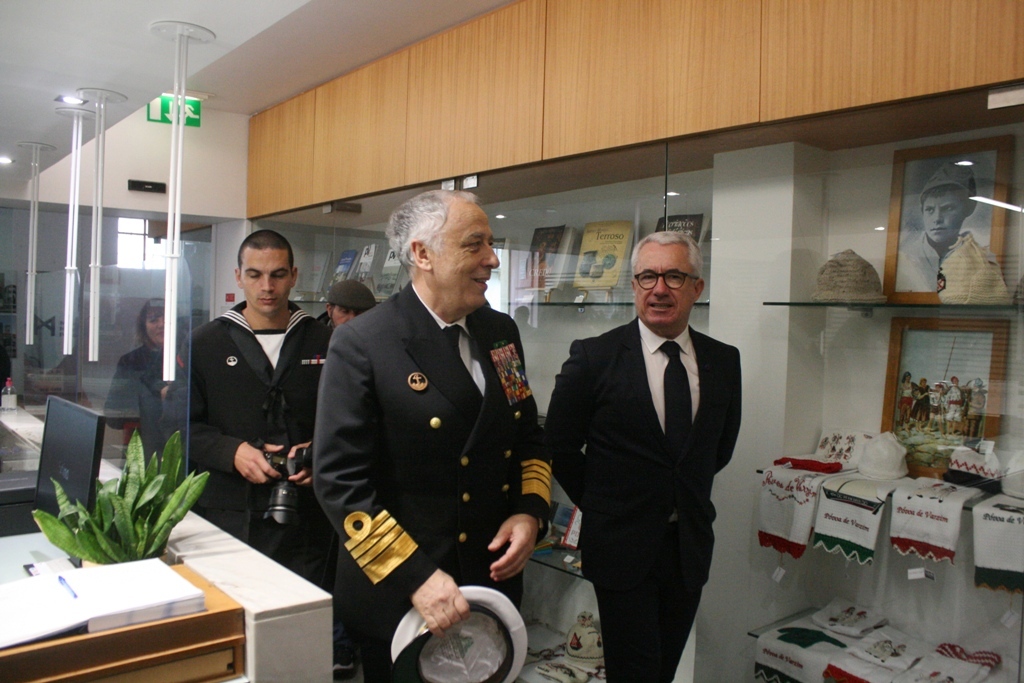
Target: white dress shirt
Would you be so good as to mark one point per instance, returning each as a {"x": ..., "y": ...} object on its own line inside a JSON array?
[
  {"x": 469, "y": 359},
  {"x": 656, "y": 362}
]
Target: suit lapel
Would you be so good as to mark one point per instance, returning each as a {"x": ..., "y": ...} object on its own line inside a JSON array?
[
  {"x": 707, "y": 376},
  {"x": 431, "y": 352}
]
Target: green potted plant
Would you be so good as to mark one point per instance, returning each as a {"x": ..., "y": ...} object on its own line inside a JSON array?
[{"x": 133, "y": 515}]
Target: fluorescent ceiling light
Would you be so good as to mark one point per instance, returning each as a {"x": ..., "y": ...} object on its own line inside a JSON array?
[
  {"x": 673, "y": 194},
  {"x": 880, "y": 228},
  {"x": 6, "y": 160},
  {"x": 993, "y": 202},
  {"x": 500, "y": 215},
  {"x": 69, "y": 99},
  {"x": 963, "y": 162}
]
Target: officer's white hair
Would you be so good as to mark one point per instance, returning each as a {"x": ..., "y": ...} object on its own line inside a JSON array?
[{"x": 420, "y": 219}]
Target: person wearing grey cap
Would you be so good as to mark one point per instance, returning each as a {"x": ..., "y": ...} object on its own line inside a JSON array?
[
  {"x": 346, "y": 300},
  {"x": 945, "y": 205}
]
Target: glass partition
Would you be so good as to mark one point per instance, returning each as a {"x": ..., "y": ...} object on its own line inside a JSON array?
[{"x": 126, "y": 383}]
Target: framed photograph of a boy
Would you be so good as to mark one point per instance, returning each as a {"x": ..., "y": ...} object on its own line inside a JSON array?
[
  {"x": 944, "y": 386},
  {"x": 930, "y": 208}
]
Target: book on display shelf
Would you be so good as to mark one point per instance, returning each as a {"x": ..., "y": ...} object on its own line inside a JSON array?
[
  {"x": 603, "y": 253},
  {"x": 389, "y": 275},
  {"x": 689, "y": 223},
  {"x": 544, "y": 266},
  {"x": 345, "y": 261},
  {"x": 364, "y": 269}
]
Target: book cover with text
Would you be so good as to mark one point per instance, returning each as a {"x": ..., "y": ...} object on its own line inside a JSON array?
[
  {"x": 690, "y": 223},
  {"x": 603, "y": 253}
]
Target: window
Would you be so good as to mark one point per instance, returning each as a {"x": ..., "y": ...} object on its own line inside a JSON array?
[{"x": 135, "y": 249}]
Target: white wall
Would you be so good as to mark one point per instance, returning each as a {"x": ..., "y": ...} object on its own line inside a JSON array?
[
  {"x": 214, "y": 167},
  {"x": 754, "y": 206}
]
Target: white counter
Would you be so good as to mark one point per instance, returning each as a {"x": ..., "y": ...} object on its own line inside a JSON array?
[{"x": 288, "y": 620}]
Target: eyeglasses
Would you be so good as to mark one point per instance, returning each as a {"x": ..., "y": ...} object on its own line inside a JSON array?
[{"x": 674, "y": 279}]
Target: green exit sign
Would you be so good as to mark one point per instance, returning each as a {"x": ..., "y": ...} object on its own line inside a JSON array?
[{"x": 162, "y": 114}]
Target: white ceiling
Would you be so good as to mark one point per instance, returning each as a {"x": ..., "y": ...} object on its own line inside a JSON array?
[{"x": 265, "y": 51}]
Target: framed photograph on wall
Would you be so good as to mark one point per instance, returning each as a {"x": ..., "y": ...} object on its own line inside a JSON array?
[
  {"x": 944, "y": 386},
  {"x": 930, "y": 207}
]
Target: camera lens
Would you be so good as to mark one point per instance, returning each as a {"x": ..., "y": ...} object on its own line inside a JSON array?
[{"x": 284, "y": 503}]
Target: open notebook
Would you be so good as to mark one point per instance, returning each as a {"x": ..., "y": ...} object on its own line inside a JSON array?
[{"x": 94, "y": 599}]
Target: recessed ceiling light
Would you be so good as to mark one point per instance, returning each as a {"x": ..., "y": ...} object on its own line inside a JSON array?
[
  {"x": 500, "y": 215},
  {"x": 69, "y": 99},
  {"x": 963, "y": 162},
  {"x": 880, "y": 228},
  {"x": 6, "y": 160},
  {"x": 673, "y": 194}
]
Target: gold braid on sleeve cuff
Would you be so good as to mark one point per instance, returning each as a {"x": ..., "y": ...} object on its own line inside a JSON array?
[
  {"x": 378, "y": 545},
  {"x": 537, "y": 479}
]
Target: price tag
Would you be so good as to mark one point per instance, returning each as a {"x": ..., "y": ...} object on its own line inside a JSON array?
[
  {"x": 778, "y": 574},
  {"x": 1010, "y": 619}
]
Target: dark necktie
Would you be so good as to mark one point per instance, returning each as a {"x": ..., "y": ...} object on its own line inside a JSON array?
[
  {"x": 452, "y": 333},
  {"x": 678, "y": 404}
]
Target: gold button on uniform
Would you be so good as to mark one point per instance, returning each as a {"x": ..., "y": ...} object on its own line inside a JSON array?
[
  {"x": 464, "y": 461},
  {"x": 465, "y": 497},
  {"x": 435, "y": 422},
  {"x": 508, "y": 454},
  {"x": 518, "y": 414},
  {"x": 462, "y": 537},
  {"x": 504, "y": 489}
]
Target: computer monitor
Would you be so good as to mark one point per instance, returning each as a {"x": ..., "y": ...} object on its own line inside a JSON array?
[{"x": 70, "y": 453}]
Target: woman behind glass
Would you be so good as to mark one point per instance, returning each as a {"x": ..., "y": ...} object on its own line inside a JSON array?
[{"x": 137, "y": 391}]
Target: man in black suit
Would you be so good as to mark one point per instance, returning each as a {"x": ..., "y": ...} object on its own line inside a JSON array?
[
  {"x": 658, "y": 422},
  {"x": 427, "y": 455}
]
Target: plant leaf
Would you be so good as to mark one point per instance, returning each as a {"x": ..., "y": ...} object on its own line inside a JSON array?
[
  {"x": 142, "y": 534},
  {"x": 103, "y": 511},
  {"x": 134, "y": 469},
  {"x": 125, "y": 528},
  {"x": 64, "y": 505},
  {"x": 181, "y": 502},
  {"x": 171, "y": 462},
  {"x": 108, "y": 546},
  {"x": 152, "y": 490},
  {"x": 94, "y": 553},
  {"x": 57, "y": 533}
]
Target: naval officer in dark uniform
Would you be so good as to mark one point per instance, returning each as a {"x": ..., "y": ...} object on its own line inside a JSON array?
[{"x": 428, "y": 457}]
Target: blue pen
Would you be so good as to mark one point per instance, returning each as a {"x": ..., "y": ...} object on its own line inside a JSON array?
[{"x": 64, "y": 583}]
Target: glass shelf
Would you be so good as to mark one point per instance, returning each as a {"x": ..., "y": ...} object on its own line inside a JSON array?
[
  {"x": 554, "y": 560},
  {"x": 586, "y": 304},
  {"x": 857, "y": 305}
]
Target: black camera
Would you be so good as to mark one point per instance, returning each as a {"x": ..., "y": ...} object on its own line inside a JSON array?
[{"x": 284, "y": 497}]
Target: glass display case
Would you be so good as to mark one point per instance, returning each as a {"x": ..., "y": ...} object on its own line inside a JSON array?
[{"x": 771, "y": 207}]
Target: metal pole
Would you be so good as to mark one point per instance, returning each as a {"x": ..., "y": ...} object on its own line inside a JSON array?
[
  {"x": 181, "y": 32},
  {"x": 33, "y": 241},
  {"x": 101, "y": 98},
  {"x": 71, "y": 266}
]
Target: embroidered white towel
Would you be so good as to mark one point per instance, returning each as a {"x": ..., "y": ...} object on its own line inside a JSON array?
[
  {"x": 849, "y": 515},
  {"x": 786, "y": 508},
  {"x": 843, "y": 616},
  {"x": 926, "y": 518},
  {"x": 999, "y": 544}
]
